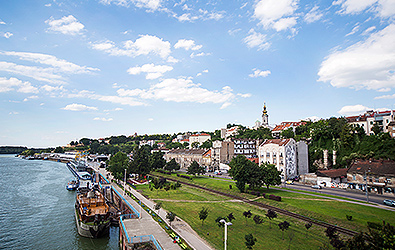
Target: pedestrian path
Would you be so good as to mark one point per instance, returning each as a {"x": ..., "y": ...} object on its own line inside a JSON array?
[
  {"x": 179, "y": 226},
  {"x": 146, "y": 225}
]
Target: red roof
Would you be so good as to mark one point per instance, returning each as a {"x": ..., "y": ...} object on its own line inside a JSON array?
[
  {"x": 333, "y": 173},
  {"x": 285, "y": 125},
  {"x": 202, "y": 134},
  {"x": 280, "y": 142}
]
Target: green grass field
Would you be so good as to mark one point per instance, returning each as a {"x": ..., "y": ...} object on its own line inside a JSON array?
[{"x": 186, "y": 202}]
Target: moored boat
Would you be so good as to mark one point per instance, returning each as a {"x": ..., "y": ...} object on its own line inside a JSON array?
[
  {"x": 92, "y": 214},
  {"x": 72, "y": 185}
]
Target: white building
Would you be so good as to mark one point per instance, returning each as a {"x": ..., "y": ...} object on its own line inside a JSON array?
[
  {"x": 367, "y": 120},
  {"x": 199, "y": 138},
  {"x": 288, "y": 156}
]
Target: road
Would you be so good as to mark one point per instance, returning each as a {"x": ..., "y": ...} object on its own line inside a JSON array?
[{"x": 347, "y": 193}]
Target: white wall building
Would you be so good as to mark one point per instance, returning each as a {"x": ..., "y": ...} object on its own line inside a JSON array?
[
  {"x": 199, "y": 138},
  {"x": 287, "y": 155}
]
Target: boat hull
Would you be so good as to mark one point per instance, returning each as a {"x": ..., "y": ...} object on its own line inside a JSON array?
[{"x": 92, "y": 231}]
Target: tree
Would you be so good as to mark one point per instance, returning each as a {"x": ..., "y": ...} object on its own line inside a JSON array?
[
  {"x": 195, "y": 144},
  {"x": 156, "y": 161},
  {"x": 172, "y": 165},
  {"x": 195, "y": 168},
  {"x": 250, "y": 240},
  {"x": 59, "y": 150},
  {"x": 334, "y": 238},
  {"x": 207, "y": 144},
  {"x": 247, "y": 214},
  {"x": 170, "y": 216},
  {"x": 379, "y": 236},
  {"x": 271, "y": 214},
  {"x": 231, "y": 217},
  {"x": 288, "y": 133},
  {"x": 308, "y": 225},
  {"x": 271, "y": 176},
  {"x": 218, "y": 221},
  {"x": 140, "y": 163},
  {"x": 283, "y": 226},
  {"x": 376, "y": 128},
  {"x": 244, "y": 171},
  {"x": 158, "y": 206},
  {"x": 258, "y": 220},
  {"x": 117, "y": 165},
  {"x": 203, "y": 214}
]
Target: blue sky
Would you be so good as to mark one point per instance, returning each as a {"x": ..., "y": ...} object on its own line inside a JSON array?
[{"x": 96, "y": 68}]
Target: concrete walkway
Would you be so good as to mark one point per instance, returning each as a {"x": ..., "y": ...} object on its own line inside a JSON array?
[
  {"x": 179, "y": 226},
  {"x": 146, "y": 225}
]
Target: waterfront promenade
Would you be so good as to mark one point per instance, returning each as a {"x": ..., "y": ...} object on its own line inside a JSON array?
[{"x": 146, "y": 225}]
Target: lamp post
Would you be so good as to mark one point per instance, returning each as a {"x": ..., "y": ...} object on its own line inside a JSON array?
[
  {"x": 366, "y": 181},
  {"x": 124, "y": 184},
  {"x": 226, "y": 229}
]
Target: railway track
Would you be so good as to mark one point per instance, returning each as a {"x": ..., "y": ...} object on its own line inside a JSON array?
[{"x": 261, "y": 205}]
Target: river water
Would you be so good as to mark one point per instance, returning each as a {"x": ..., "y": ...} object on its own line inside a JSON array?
[{"x": 37, "y": 212}]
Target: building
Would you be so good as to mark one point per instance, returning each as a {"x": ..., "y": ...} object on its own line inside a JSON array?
[
  {"x": 379, "y": 175},
  {"x": 329, "y": 178},
  {"x": 222, "y": 152},
  {"x": 199, "y": 138},
  {"x": 288, "y": 156},
  {"x": 246, "y": 147},
  {"x": 185, "y": 157},
  {"x": 391, "y": 129},
  {"x": 367, "y": 120},
  {"x": 276, "y": 132},
  {"x": 265, "y": 119},
  {"x": 229, "y": 132}
]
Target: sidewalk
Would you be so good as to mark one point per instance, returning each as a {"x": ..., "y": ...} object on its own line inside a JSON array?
[
  {"x": 179, "y": 226},
  {"x": 146, "y": 225}
]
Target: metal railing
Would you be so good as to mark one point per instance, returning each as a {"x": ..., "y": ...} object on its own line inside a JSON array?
[
  {"x": 138, "y": 239},
  {"x": 127, "y": 203}
]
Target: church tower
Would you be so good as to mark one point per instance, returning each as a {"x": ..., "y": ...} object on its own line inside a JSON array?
[{"x": 265, "y": 117}]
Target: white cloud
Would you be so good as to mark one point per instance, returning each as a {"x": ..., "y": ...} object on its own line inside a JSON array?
[
  {"x": 102, "y": 119},
  {"x": 2, "y": 22},
  {"x": 150, "y": 5},
  {"x": 30, "y": 98},
  {"x": 369, "y": 30},
  {"x": 313, "y": 15},
  {"x": 200, "y": 15},
  {"x": 60, "y": 65},
  {"x": 144, "y": 45},
  {"x": 277, "y": 14},
  {"x": 67, "y": 25},
  {"x": 383, "y": 8},
  {"x": 49, "y": 88},
  {"x": 260, "y": 73},
  {"x": 79, "y": 107},
  {"x": 40, "y": 74},
  {"x": 385, "y": 97},
  {"x": 181, "y": 90},
  {"x": 256, "y": 39},
  {"x": 353, "y": 110},
  {"x": 150, "y": 119},
  {"x": 193, "y": 55},
  {"x": 153, "y": 72},
  {"x": 187, "y": 45},
  {"x": 14, "y": 84},
  {"x": 112, "y": 99},
  {"x": 8, "y": 35},
  {"x": 354, "y": 29},
  {"x": 369, "y": 64}
]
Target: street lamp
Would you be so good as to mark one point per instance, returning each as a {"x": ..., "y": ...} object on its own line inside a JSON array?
[
  {"x": 124, "y": 184},
  {"x": 226, "y": 229},
  {"x": 366, "y": 182}
]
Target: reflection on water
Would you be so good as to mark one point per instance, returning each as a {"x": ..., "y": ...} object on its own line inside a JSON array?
[{"x": 37, "y": 211}]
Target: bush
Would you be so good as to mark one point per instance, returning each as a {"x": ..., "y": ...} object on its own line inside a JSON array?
[
  {"x": 264, "y": 195},
  {"x": 274, "y": 197}
]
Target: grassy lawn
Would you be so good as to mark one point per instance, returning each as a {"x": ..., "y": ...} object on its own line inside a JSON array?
[
  {"x": 268, "y": 234},
  {"x": 322, "y": 209}
]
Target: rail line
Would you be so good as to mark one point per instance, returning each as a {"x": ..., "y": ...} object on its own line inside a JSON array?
[{"x": 278, "y": 210}]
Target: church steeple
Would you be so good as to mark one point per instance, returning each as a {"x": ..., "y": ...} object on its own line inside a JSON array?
[{"x": 265, "y": 116}]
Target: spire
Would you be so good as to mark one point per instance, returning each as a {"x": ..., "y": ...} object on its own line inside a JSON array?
[{"x": 265, "y": 116}]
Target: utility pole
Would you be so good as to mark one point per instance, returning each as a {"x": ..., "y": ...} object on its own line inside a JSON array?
[{"x": 124, "y": 184}]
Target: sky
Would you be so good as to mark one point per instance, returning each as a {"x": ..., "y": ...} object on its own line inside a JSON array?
[{"x": 97, "y": 68}]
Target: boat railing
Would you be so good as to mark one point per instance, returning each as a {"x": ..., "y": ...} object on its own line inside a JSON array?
[
  {"x": 138, "y": 239},
  {"x": 137, "y": 214}
]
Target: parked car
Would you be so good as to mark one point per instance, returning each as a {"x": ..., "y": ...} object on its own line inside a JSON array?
[
  {"x": 316, "y": 187},
  {"x": 218, "y": 172},
  {"x": 389, "y": 203},
  {"x": 289, "y": 182}
]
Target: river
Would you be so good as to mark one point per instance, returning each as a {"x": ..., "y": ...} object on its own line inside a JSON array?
[{"x": 37, "y": 211}]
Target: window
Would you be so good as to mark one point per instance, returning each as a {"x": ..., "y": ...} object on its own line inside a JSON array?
[
  {"x": 354, "y": 177},
  {"x": 268, "y": 155},
  {"x": 377, "y": 179}
]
